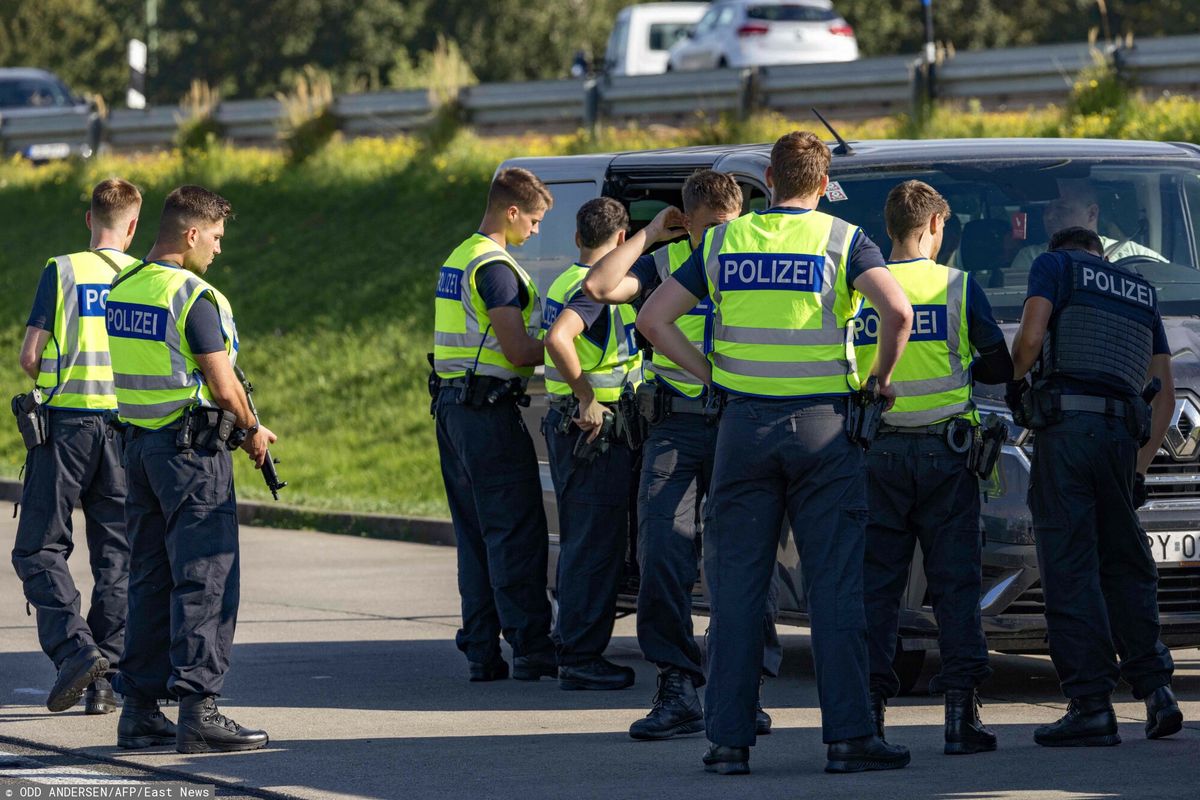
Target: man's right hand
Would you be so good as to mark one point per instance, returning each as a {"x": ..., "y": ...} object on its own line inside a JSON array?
[
  {"x": 258, "y": 444},
  {"x": 1013, "y": 392},
  {"x": 887, "y": 392},
  {"x": 667, "y": 224},
  {"x": 590, "y": 418}
]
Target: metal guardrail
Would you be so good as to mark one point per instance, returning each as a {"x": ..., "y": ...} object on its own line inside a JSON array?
[
  {"x": 870, "y": 87},
  {"x": 1015, "y": 77}
]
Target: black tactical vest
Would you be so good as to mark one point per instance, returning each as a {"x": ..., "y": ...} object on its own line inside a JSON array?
[{"x": 1103, "y": 331}]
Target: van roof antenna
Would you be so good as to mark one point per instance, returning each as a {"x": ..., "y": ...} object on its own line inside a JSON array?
[{"x": 843, "y": 148}]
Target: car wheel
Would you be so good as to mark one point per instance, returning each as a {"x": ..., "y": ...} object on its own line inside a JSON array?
[{"x": 908, "y": 665}]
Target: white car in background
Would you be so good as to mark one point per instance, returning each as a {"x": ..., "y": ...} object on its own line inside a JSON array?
[
  {"x": 755, "y": 33},
  {"x": 644, "y": 33}
]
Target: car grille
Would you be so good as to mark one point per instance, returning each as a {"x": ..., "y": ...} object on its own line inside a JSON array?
[
  {"x": 1178, "y": 593},
  {"x": 1168, "y": 479}
]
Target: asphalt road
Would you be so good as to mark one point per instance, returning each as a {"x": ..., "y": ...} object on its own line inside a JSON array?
[{"x": 345, "y": 654}]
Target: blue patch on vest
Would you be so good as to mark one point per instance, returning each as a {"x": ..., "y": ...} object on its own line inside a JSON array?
[
  {"x": 703, "y": 309},
  {"x": 1111, "y": 283},
  {"x": 929, "y": 325},
  {"x": 92, "y": 297},
  {"x": 550, "y": 313},
  {"x": 135, "y": 321},
  {"x": 631, "y": 338},
  {"x": 449, "y": 285},
  {"x": 783, "y": 272}
]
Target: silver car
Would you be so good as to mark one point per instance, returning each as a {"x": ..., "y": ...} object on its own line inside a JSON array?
[
  {"x": 756, "y": 33},
  {"x": 1147, "y": 192}
]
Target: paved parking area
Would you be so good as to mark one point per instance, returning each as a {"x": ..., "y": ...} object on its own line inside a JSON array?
[{"x": 345, "y": 654}]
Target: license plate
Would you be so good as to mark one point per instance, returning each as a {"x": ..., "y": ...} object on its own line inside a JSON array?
[
  {"x": 46, "y": 152},
  {"x": 1173, "y": 547}
]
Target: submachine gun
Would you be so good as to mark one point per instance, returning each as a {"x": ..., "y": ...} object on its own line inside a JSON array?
[{"x": 270, "y": 476}]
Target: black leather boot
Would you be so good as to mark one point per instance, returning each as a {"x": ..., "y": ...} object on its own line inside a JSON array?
[
  {"x": 204, "y": 729},
  {"x": 494, "y": 670},
  {"x": 878, "y": 710},
  {"x": 676, "y": 710},
  {"x": 1089, "y": 722},
  {"x": 535, "y": 666},
  {"x": 1163, "y": 716},
  {"x": 74, "y": 676},
  {"x": 727, "y": 760},
  {"x": 597, "y": 674},
  {"x": 142, "y": 724},
  {"x": 864, "y": 754},
  {"x": 99, "y": 697},
  {"x": 965, "y": 734},
  {"x": 762, "y": 720}
]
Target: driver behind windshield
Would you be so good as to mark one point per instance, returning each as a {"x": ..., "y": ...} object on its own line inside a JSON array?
[{"x": 1077, "y": 206}]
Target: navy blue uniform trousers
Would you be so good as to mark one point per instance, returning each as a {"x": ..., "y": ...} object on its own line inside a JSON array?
[
  {"x": 919, "y": 491},
  {"x": 81, "y": 462},
  {"x": 593, "y": 528},
  {"x": 1098, "y": 575},
  {"x": 491, "y": 476},
  {"x": 778, "y": 458},
  {"x": 677, "y": 466},
  {"x": 184, "y": 576}
]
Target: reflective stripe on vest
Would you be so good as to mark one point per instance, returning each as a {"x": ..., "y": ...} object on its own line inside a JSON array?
[
  {"x": 933, "y": 377},
  {"x": 694, "y": 325},
  {"x": 78, "y": 374},
  {"x": 782, "y": 305},
  {"x": 155, "y": 372},
  {"x": 463, "y": 337},
  {"x": 606, "y": 369}
]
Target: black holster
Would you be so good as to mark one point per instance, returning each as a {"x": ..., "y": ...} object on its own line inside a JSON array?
[
  {"x": 864, "y": 414},
  {"x": 630, "y": 425},
  {"x": 208, "y": 428},
  {"x": 1041, "y": 407},
  {"x": 588, "y": 451},
  {"x": 33, "y": 420},
  {"x": 651, "y": 403},
  {"x": 989, "y": 441}
]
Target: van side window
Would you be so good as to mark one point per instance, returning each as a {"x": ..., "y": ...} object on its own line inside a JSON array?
[{"x": 553, "y": 248}]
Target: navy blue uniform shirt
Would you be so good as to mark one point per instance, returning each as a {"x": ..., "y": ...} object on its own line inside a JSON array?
[{"x": 498, "y": 286}]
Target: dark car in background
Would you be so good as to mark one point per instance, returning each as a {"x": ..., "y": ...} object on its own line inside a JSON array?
[
  {"x": 42, "y": 119},
  {"x": 1148, "y": 194}
]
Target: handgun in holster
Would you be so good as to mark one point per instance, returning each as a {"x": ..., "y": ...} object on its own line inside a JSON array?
[
  {"x": 512, "y": 388},
  {"x": 864, "y": 414},
  {"x": 992, "y": 434},
  {"x": 32, "y": 419},
  {"x": 632, "y": 426},
  {"x": 587, "y": 451},
  {"x": 651, "y": 402},
  {"x": 435, "y": 384},
  {"x": 566, "y": 415},
  {"x": 1041, "y": 406},
  {"x": 1138, "y": 419}
]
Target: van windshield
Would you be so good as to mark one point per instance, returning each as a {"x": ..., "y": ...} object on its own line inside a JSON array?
[{"x": 1002, "y": 216}]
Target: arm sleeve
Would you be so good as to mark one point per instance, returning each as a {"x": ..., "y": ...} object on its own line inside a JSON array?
[
  {"x": 864, "y": 255},
  {"x": 1044, "y": 277},
  {"x": 203, "y": 328},
  {"x": 1161, "y": 346},
  {"x": 497, "y": 286},
  {"x": 595, "y": 316},
  {"x": 691, "y": 273},
  {"x": 981, "y": 325},
  {"x": 646, "y": 272},
  {"x": 45, "y": 302}
]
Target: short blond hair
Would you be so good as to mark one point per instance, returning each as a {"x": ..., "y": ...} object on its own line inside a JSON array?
[{"x": 114, "y": 202}]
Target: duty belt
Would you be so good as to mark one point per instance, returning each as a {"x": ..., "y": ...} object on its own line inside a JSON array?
[
  {"x": 959, "y": 433},
  {"x": 1095, "y": 405},
  {"x": 937, "y": 429},
  {"x": 686, "y": 405}
]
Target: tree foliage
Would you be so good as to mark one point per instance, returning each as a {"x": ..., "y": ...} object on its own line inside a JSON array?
[{"x": 255, "y": 48}]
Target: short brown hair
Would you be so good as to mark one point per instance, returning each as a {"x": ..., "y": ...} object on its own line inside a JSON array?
[
  {"x": 708, "y": 188},
  {"x": 909, "y": 207},
  {"x": 799, "y": 160},
  {"x": 112, "y": 200},
  {"x": 190, "y": 206},
  {"x": 598, "y": 220},
  {"x": 521, "y": 188}
]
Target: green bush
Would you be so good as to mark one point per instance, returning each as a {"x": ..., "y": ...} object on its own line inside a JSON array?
[{"x": 330, "y": 268}]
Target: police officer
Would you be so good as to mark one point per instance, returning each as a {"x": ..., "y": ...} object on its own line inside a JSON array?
[
  {"x": 784, "y": 285},
  {"x": 591, "y": 358},
  {"x": 66, "y": 353},
  {"x": 1093, "y": 336},
  {"x": 487, "y": 319},
  {"x": 677, "y": 461},
  {"x": 174, "y": 343},
  {"x": 919, "y": 485}
]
